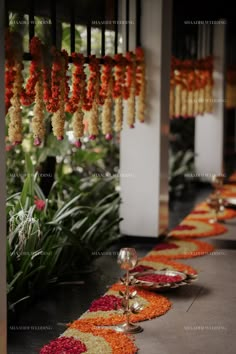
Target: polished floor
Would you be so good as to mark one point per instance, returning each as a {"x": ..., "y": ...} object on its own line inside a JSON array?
[{"x": 65, "y": 302}]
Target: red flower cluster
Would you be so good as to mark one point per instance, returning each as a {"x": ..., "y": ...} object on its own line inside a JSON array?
[
  {"x": 64, "y": 345},
  {"x": 120, "y": 63},
  {"x": 106, "y": 78},
  {"x": 28, "y": 94},
  {"x": 199, "y": 212},
  {"x": 130, "y": 57},
  {"x": 78, "y": 86},
  {"x": 47, "y": 93},
  {"x": 39, "y": 203},
  {"x": 94, "y": 78},
  {"x": 10, "y": 72},
  {"x": 59, "y": 68},
  {"x": 106, "y": 303},
  {"x": 165, "y": 246},
  {"x": 160, "y": 278},
  {"x": 141, "y": 268},
  {"x": 184, "y": 227}
]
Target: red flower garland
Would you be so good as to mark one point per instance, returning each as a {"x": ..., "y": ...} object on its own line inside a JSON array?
[
  {"x": 105, "y": 97},
  {"x": 28, "y": 94},
  {"x": 92, "y": 99},
  {"x": 120, "y": 63},
  {"x": 59, "y": 93},
  {"x": 129, "y": 91},
  {"x": 10, "y": 72},
  {"x": 76, "y": 101}
]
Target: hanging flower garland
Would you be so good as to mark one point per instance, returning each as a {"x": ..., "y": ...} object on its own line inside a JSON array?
[
  {"x": 75, "y": 103},
  {"x": 15, "y": 88},
  {"x": 231, "y": 87},
  {"x": 92, "y": 100},
  {"x": 131, "y": 88},
  {"x": 120, "y": 64},
  {"x": 34, "y": 90},
  {"x": 10, "y": 71},
  {"x": 191, "y": 87},
  {"x": 47, "y": 86},
  {"x": 140, "y": 83},
  {"x": 106, "y": 97},
  {"x": 59, "y": 93},
  {"x": 28, "y": 94}
]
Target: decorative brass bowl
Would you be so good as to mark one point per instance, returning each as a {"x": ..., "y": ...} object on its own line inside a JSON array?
[{"x": 160, "y": 286}]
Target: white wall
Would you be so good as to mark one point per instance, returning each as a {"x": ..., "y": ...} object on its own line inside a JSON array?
[
  {"x": 141, "y": 148},
  {"x": 209, "y": 129}
]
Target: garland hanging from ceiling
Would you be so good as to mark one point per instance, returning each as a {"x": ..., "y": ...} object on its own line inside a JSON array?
[
  {"x": 57, "y": 88},
  {"x": 231, "y": 87},
  {"x": 191, "y": 87}
]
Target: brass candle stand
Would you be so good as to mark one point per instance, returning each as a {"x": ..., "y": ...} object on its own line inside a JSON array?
[
  {"x": 217, "y": 183},
  {"x": 216, "y": 203},
  {"x": 127, "y": 259}
]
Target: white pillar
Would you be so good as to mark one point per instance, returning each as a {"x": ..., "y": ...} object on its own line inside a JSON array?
[
  {"x": 144, "y": 150},
  {"x": 3, "y": 331},
  {"x": 209, "y": 128}
]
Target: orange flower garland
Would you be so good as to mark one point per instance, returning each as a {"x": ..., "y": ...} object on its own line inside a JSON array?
[
  {"x": 10, "y": 72},
  {"x": 131, "y": 79},
  {"x": 154, "y": 305},
  {"x": 92, "y": 99},
  {"x": 140, "y": 83},
  {"x": 28, "y": 94},
  {"x": 47, "y": 87},
  {"x": 59, "y": 93},
  {"x": 34, "y": 90},
  {"x": 75, "y": 103},
  {"x": 185, "y": 249},
  {"x": 191, "y": 87},
  {"x": 118, "y": 90},
  {"x": 197, "y": 228},
  {"x": 106, "y": 97},
  {"x": 92, "y": 337},
  {"x": 204, "y": 212},
  {"x": 15, "y": 115},
  {"x": 232, "y": 178},
  {"x": 38, "y": 119},
  {"x": 228, "y": 190}
]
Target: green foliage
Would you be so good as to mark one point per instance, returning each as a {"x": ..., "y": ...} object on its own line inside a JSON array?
[
  {"x": 181, "y": 163},
  {"x": 42, "y": 245}
]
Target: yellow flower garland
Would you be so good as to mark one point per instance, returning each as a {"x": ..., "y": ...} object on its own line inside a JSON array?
[
  {"x": 38, "y": 119},
  {"x": 131, "y": 99},
  {"x": 15, "y": 115}
]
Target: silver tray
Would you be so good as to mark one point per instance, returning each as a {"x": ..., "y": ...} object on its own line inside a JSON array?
[{"x": 185, "y": 279}]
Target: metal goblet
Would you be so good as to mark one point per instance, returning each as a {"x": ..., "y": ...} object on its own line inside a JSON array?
[{"x": 128, "y": 259}]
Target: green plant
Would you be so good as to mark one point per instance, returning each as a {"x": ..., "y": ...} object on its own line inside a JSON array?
[
  {"x": 55, "y": 238},
  {"x": 181, "y": 163}
]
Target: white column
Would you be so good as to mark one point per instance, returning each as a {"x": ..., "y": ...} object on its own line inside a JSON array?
[
  {"x": 3, "y": 331},
  {"x": 209, "y": 128},
  {"x": 144, "y": 150}
]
